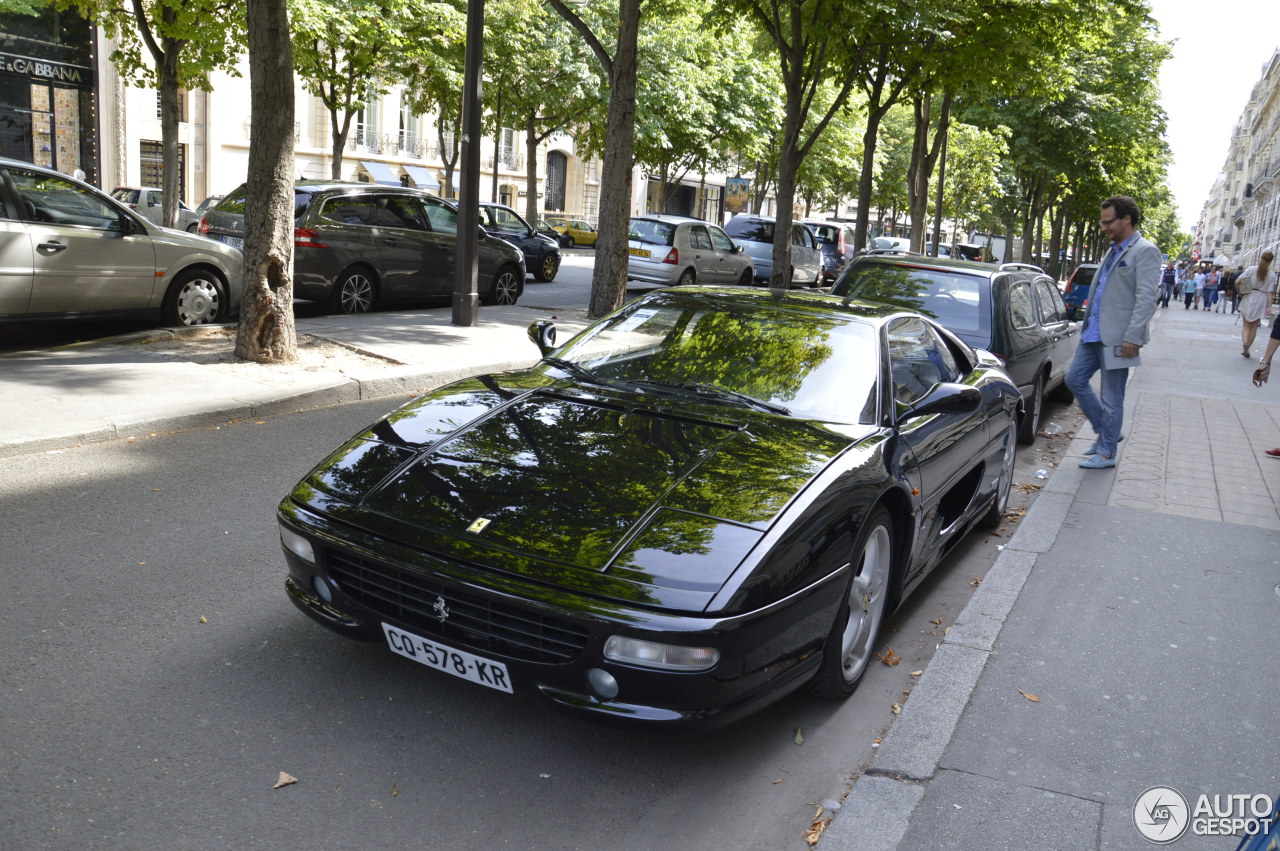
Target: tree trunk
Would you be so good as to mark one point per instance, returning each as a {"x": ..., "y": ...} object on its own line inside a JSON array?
[
  {"x": 266, "y": 333},
  {"x": 788, "y": 163},
  {"x": 531, "y": 170},
  {"x": 497, "y": 148},
  {"x": 609, "y": 282},
  {"x": 169, "y": 115}
]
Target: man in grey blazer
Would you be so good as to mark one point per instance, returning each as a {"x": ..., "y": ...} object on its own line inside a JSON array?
[{"x": 1122, "y": 301}]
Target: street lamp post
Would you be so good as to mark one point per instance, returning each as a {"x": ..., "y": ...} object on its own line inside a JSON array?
[{"x": 466, "y": 299}]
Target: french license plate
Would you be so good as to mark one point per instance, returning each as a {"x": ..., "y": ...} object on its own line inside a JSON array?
[
  {"x": 233, "y": 241},
  {"x": 638, "y": 252},
  {"x": 459, "y": 663}
]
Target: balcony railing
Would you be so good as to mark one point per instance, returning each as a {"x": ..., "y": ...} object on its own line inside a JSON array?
[{"x": 508, "y": 160}]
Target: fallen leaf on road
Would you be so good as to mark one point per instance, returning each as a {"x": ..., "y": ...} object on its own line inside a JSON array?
[
  {"x": 897, "y": 710},
  {"x": 203, "y": 619},
  {"x": 917, "y": 673},
  {"x": 799, "y": 736},
  {"x": 1034, "y": 698},
  {"x": 889, "y": 657},
  {"x": 975, "y": 583},
  {"x": 936, "y": 621},
  {"x": 395, "y": 789},
  {"x": 815, "y": 831},
  {"x": 285, "y": 780}
]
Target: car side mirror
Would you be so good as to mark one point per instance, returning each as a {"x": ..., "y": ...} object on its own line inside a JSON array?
[
  {"x": 946, "y": 398},
  {"x": 543, "y": 334},
  {"x": 738, "y": 249}
]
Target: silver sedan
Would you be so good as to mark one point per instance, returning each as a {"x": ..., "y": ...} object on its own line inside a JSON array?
[
  {"x": 68, "y": 250},
  {"x": 669, "y": 250}
]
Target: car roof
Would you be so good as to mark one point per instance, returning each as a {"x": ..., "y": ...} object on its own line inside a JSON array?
[
  {"x": 926, "y": 262},
  {"x": 672, "y": 219},
  {"x": 810, "y": 301}
]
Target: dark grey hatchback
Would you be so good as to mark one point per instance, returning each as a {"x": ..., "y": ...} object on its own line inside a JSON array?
[
  {"x": 360, "y": 245},
  {"x": 1014, "y": 311}
]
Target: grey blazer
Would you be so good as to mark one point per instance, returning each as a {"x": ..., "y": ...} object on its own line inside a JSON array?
[{"x": 1129, "y": 300}]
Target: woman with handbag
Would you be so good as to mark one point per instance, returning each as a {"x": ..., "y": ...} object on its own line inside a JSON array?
[{"x": 1257, "y": 285}]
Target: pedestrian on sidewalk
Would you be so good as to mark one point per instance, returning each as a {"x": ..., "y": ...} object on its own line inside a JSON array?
[
  {"x": 1263, "y": 372},
  {"x": 1168, "y": 280},
  {"x": 1257, "y": 284},
  {"x": 1200, "y": 278},
  {"x": 1188, "y": 290},
  {"x": 1235, "y": 291},
  {"x": 1121, "y": 304},
  {"x": 1211, "y": 289}
]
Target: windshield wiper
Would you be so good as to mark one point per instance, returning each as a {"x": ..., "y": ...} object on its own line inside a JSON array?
[
  {"x": 723, "y": 393},
  {"x": 579, "y": 371}
]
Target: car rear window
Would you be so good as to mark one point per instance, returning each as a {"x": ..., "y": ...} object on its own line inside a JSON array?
[
  {"x": 1083, "y": 276},
  {"x": 826, "y": 234},
  {"x": 652, "y": 232},
  {"x": 960, "y": 302},
  {"x": 752, "y": 230},
  {"x": 235, "y": 201}
]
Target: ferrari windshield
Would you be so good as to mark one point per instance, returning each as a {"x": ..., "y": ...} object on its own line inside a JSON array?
[{"x": 812, "y": 364}]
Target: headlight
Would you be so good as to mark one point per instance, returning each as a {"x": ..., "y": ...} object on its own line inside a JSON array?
[
  {"x": 664, "y": 657},
  {"x": 298, "y": 545}
]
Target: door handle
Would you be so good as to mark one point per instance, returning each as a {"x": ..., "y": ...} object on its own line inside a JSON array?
[
  {"x": 390, "y": 241},
  {"x": 51, "y": 247}
]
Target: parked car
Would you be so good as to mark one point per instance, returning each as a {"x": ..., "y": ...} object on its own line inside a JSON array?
[
  {"x": 207, "y": 203},
  {"x": 669, "y": 250},
  {"x": 711, "y": 498},
  {"x": 573, "y": 231},
  {"x": 1077, "y": 290},
  {"x": 549, "y": 232},
  {"x": 541, "y": 253},
  {"x": 362, "y": 245},
  {"x": 836, "y": 241},
  {"x": 755, "y": 235},
  {"x": 1014, "y": 311},
  {"x": 891, "y": 243},
  {"x": 69, "y": 250},
  {"x": 148, "y": 202}
]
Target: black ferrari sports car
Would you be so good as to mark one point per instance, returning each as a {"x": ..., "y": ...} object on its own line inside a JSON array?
[{"x": 704, "y": 501}]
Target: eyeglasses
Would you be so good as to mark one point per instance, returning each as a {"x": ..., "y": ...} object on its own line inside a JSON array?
[{"x": 1105, "y": 222}]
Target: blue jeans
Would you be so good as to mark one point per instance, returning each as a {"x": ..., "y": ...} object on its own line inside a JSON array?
[{"x": 1106, "y": 415}]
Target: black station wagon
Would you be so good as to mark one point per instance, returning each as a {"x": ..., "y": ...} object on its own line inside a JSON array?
[
  {"x": 1014, "y": 311},
  {"x": 358, "y": 246}
]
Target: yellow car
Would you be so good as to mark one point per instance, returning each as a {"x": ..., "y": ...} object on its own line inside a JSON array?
[{"x": 572, "y": 231}]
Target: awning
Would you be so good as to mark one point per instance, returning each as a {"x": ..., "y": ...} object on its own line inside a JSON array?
[
  {"x": 422, "y": 178},
  {"x": 380, "y": 172}
]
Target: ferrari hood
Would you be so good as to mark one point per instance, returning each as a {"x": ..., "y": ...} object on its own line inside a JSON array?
[{"x": 640, "y": 496}]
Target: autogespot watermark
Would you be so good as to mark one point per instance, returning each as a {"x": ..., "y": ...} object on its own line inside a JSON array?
[{"x": 1162, "y": 815}]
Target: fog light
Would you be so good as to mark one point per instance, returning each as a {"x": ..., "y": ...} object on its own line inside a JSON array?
[
  {"x": 322, "y": 589},
  {"x": 666, "y": 657},
  {"x": 298, "y": 545},
  {"x": 602, "y": 684}
]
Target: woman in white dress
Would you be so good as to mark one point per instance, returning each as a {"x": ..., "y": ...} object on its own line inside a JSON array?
[{"x": 1256, "y": 304}]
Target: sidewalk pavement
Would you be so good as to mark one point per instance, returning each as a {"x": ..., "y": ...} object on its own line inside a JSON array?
[
  {"x": 1116, "y": 644},
  {"x": 137, "y": 384},
  {"x": 1119, "y": 642}
]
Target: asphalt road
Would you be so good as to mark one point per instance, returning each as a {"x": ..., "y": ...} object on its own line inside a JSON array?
[{"x": 157, "y": 681}]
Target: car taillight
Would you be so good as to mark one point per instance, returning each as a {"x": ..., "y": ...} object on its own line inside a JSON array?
[
  {"x": 204, "y": 226},
  {"x": 306, "y": 238},
  {"x": 673, "y": 256},
  {"x": 840, "y": 242}
]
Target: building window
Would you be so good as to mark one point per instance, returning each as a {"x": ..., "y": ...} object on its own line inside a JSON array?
[
  {"x": 557, "y": 171},
  {"x": 151, "y": 166},
  {"x": 507, "y": 148},
  {"x": 182, "y": 105},
  {"x": 591, "y": 203}
]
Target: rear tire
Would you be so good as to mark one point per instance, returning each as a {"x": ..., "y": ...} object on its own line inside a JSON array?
[
  {"x": 1030, "y": 422},
  {"x": 355, "y": 292},
  {"x": 687, "y": 278},
  {"x": 568, "y": 242},
  {"x": 850, "y": 645},
  {"x": 196, "y": 297},
  {"x": 995, "y": 513}
]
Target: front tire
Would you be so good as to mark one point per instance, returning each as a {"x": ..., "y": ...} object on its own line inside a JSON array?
[
  {"x": 850, "y": 645},
  {"x": 995, "y": 513},
  {"x": 505, "y": 288},
  {"x": 548, "y": 268},
  {"x": 196, "y": 297},
  {"x": 746, "y": 278},
  {"x": 1030, "y": 422},
  {"x": 355, "y": 292}
]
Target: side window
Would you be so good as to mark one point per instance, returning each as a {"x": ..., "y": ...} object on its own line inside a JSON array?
[
  {"x": 1021, "y": 311},
  {"x": 1052, "y": 308},
  {"x": 59, "y": 202},
  {"x": 350, "y": 210},
  {"x": 397, "y": 211},
  {"x": 916, "y": 360},
  {"x": 155, "y": 199},
  {"x": 698, "y": 238},
  {"x": 441, "y": 217},
  {"x": 720, "y": 240}
]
